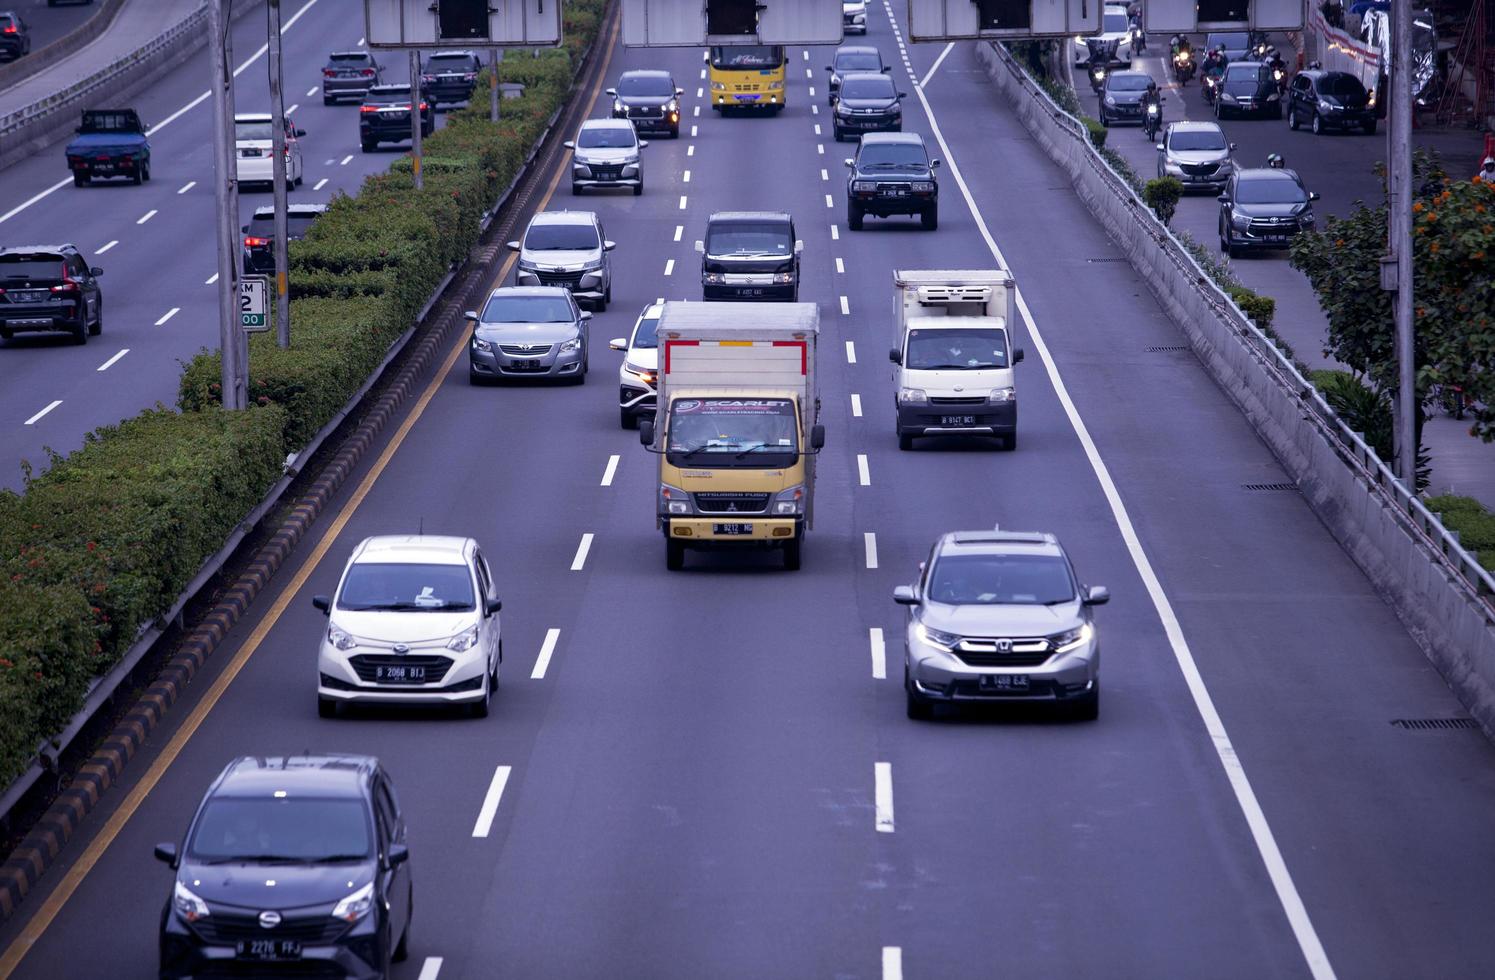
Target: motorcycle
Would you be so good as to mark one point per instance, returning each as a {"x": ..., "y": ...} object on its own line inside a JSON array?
[
  {"x": 1183, "y": 66},
  {"x": 1098, "y": 79},
  {"x": 1152, "y": 119},
  {"x": 1214, "y": 71},
  {"x": 1102, "y": 53}
]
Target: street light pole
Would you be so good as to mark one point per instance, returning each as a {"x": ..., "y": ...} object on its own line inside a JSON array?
[
  {"x": 231, "y": 338},
  {"x": 281, "y": 245},
  {"x": 1400, "y": 229},
  {"x": 416, "y": 98},
  {"x": 493, "y": 93}
]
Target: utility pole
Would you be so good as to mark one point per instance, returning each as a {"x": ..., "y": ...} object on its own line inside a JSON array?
[
  {"x": 416, "y": 98},
  {"x": 281, "y": 245},
  {"x": 493, "y": 93},
  {"x": 231, "y": 339},
  {"x": 1400, "y": 230}
]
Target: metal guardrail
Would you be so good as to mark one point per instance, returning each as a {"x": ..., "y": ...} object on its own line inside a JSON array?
[{"x": 1412, "y": 513}]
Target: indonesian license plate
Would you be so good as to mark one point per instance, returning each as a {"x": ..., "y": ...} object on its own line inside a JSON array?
[
  {"x": 1004, "y": 682},
  {"x": 895, "y": 192},
  {"x": 731, "y": 529},
  {"x": 102, "y": 166},
  {"x": 400, "y": 674},
  {"x": 526, "y": 365},
  {"x": 250, "y": 152},
  {"x": 747, "y": 98},
  {"x": 268, "y": 949},
  {"x": 957, "y": 420},
  {"x": 28, "y": 295}
]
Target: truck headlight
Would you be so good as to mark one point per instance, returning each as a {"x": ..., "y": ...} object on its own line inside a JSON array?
[
  {"x": 478, "y": 343},
  {"x": 673, "y": 500},
  {"x": 913, "y": 396},
  {"x": 783, "y": 278},
  {"x": 937, "y": 638},
  {"x": 570, "y": 346},
  {"x": 1001, "y": 396},
  {"x": 923, "y": 187},
  {"x": 187, "y": 905},
  {"x": 787, "y": 503},
  {"x": 714, "y": 278},
  {"x": 1071, "y": 639},
  {"x": 356, "y": 905},
  {"x": 464, "y": 640},
  {"x": 340, "y": 639},
  {"x": 718, "y": 86},
  {"x": 775, "y": 86}
]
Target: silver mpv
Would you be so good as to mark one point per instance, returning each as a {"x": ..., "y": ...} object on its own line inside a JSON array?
[
  {"x": 528, "y": 332},
  {"x": 1000, "y": 616}
]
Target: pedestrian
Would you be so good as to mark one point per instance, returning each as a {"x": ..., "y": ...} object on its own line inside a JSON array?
[{"x": 1486, "y": 171}]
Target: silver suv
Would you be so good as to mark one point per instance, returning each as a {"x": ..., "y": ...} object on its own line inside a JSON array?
[
  {"x": 567, "y": 248},
  {"x": 1000, "y": 616},
  {"x": 528, "y": 332},
  {"x": 606, "y": 154},
  {"x": 1197, "y": 154}
]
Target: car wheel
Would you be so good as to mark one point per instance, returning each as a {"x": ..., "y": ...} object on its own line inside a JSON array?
[
  {"x": 326, "y": 708},
  {"x": 1009, "y": 442},
  {"x": 97, "y": 327},
  {"x": 1292, "y": 118},
  {"x": 575, "y": 188},
  {"x": 1086, "y": 707},
  {"x": 930, "y": 218},
  {"x": 1104, "y": 120},
  {"x": 1224, "y": 241},
  {"x": 299, "y": 178},
  {"x": 138, "y": 177},
  {"x": 80, "y": 179},
  {"x": 853, "y": 217},
  {"x": 674, "y": 555},
  {"x": 638, "y": 189},
  {"x": 1317, "y": 124},
  {"x": 402, "y": 948},
  {"x": 145, "y": 171},
  {"x": 791, "y": 554},
  {"x": 919, "y": 709},
  {"x": 368, "y": 145},
  {"x": 627, "y": 419},
  {"x": 80, "y": 332},
  {"x": 1370, "y": 128}
]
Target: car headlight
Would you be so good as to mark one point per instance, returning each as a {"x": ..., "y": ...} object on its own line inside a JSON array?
[
  {"x": 672, "y": 106},
  {"x": 356, "y": 905},
  {"x": 1071, "y": 639},
  {"x": 897, "y": 109},
  {"x": 1325, "y": 105},
  {"x": 923, "y": 187},
  {"x": 525, "y": 265},
  {"x": 1226, "y": 97},
  {"x": 863, "y": 186},
  {"x": 464, "y": 640},
  {"x": 187, "y": 905},
  {"x": 1110, "y": 101},
  {"x": 643, "y": 374},
  {"x": 714, "y": 278},
  {"x": 1172, "y": 168},
  {"x": 937, "y": 638},
  {"x": 571, "y": 346},
  {"x": 1001, "y": 396},
  {"x": 913, "y": 396},
  {"x": 340, "y": 639},
  {"x": 673, "y": 500},
  {"x": 789, "y": 502},
  {"x": 842, "y": 109},
  {"x": 619, "y": 107},
  {"x": 478, "y": 343},
  {"x": 1240, "y": 222}
]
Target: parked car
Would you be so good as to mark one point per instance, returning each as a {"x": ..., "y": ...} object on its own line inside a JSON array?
[
  {"x": 254, "y": 149},
  {"x": 47, "y": 288},
  {"x": 570, "y": 249},
  {"x": 1115, "y": 25},
  {"x": 414, "y": 621},
  {"x": 530, "y": 332},
  {"x": 639, "y": 372},
  {"x": 850, "y": 58},
  {"x": 854, "y": 17},
  {"x": 648, "y": 99},
  {"x": 349, "y": 73},
  {"x": 1329, "y": 100},
  {"x": 892, "y": 173},
  {"x": 1248, "y": 89},
  {"x": 450, "y": 76},
  {"x": 384, "y": 116},
  {"x": 999, "y": 616},
  {"x": 1264, "y": 208},
  {"x": 1197, "y": 154},
  {"x": 292, "y": 865},
  {"x": 259, "y": 234},
  {"x": 605, "y": 153},
  {"x": 15, "y": 36},
  {"x": 867, "y": 102},
  {"x": 1121, "y": 97},
  {"x": 110, "y": 143}
]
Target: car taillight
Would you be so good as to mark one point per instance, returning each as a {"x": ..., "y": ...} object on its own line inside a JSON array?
[
  {"x": 367, "y": 73},
  {"x": 9, "y": 29},
  {"x": 329, "y": 73},
  {"x": 252, "y": 242},
  {"x": 368, "y": 108}
]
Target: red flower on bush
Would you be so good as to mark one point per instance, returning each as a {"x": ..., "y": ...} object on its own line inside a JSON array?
[{"x": 92, "y": 546}]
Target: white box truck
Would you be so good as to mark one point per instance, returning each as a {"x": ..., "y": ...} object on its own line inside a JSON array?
[
  {"x": 736, "y": 427},
  {"x": 953, "y": 361}
]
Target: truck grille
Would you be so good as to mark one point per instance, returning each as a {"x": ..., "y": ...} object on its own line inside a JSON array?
[
  {"x": 366, "y": 665},
  {"x": 224, "y": 929},
  {"x": 731, "y": 503},
  {"x": 978, "y": 400}
]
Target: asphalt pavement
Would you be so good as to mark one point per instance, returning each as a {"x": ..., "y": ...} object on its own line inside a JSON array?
[
  {"x": 692, "y": 784},
  {"x": 47, "y": 24}
]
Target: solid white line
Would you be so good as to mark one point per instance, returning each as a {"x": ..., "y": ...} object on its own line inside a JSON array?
[
  {"x": 937, "y": 62},
  {"x": 612, "y": 469},
  {"x": 345, "y": 160},
  {"x": 669, "y": 267},
  {"x": 146, "y": 217},
  {"x": 110, "y": 363},
  {"x": 489, "y": 809},
  {"x": 851, "y": 352},
  {"x": 863, "y": 475},
  {"x": 679, "y": 230},
  {"x": 682, "y": 202},
  {"x": 547, "y": 650},
  {"x": 581, "y": 552},
  {"x": 869, "y": 542},
  {"x": 210, "y": 280},
  {"x": 168, "y": 315},
  {"x": 106, "y": 247},
  {"x": 37, "y": 417},
  {"x": 882, "y": 774},
  {"x": 187, "y": 187},
  {"x": 293, "y": 108},
  {"x": 430, "y": 968},
  {"x": 856, "y": 405},
  {"x": 311, "y": 91},
  {"x": 835, "y": 233},
  {"x": 824, "y": 174},
  {"x": 879, "y": 653},
  {"x": 685, "y": 177},
  {"x": 690, "y": 151},
  {"x": 320, "y": 184},
  {"x": 840, "y": 267},
  {"x": 892, "y": 963},
  {"x": 1261, "y": 831},
  {"x": 33, "y": 199}
]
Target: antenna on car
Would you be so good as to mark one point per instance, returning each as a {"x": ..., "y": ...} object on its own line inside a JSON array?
[{"x": 420, "y": 527}]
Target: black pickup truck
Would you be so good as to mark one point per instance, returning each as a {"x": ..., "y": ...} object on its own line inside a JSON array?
[{"x": 110, "y": 143}]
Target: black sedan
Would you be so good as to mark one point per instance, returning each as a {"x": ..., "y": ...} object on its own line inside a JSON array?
[
  {"x": 1248, "y": 89},
  {"x": 892, "y": 173},
  {"x": 1264, "y": 208},
  {"x": 868, "y": 102}
]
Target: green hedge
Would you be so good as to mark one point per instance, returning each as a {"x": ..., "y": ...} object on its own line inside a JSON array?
[{"x": 100, "y": 545}]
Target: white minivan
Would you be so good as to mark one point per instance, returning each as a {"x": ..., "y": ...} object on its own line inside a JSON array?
[{"x": 954, "y": 377}]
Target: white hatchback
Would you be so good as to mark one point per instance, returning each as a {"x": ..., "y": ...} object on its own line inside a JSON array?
[
  {"x": 254, "y": 149},
  {"x": 415, "y": 620}
]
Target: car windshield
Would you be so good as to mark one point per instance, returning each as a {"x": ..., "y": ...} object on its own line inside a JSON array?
[
  {"x": 1114, "y": 23},
  {"x": 1195, "y": 139},
  {"x": 646, "y": 336},
  {"x": 528, "y": 309},
  {"x": 1128, "y": 82},
  {"x": 450, "y": 62},
  {"x": 732, "y": 432},
  {"x": 946, "y": 349},
  {"x": 30, "y": 267},
  {"x": 287, "y": 829},
  {"x": 253, "y": 130},
  {"x": 658, "y": 86},
  {"x": 560, "y": 238},
  {"x": 880, "y": 87},
  {"x": 857, "y": 61},
  {"x": 747, "y": 56},
  {"x": 389, "y": 586},
  {"x": 744, "y": 238},
  {"x": 350, "y": 60},
  {"x": 1032, "y": 580},
  {"x": 1341, "y": 86},
  {"x": 399, "y": 96},
  {"x": 892, "y": 156},
  {"x": 603, "y": 137},
  {"x": 1269, "y": 192},
  {"x": 263, "y": 225}
]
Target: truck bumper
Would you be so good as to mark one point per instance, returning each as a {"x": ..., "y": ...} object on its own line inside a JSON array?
[
  {"x": 952, "y": 420},
  {"x": 722, "y": 532}
]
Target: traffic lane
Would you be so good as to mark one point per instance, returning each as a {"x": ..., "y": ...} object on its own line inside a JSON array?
[
  {"x": 1266, "y": 595},
  {"x": 47, "y": 24}
]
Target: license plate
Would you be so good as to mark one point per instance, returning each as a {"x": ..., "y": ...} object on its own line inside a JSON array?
[
  {"x": 747, "y": 98},
  {"x": 34, "y": 322},
  {"x": 896, "y": 192},
  {"x": 400, "y": 675},
  {"x": 101, "y": 167},
  {"x": 249, "y": 153},
  {"x": 957, "y": 420},
  {"x": 731, "y": 529},
  {"x": 1004, "y": 682},
  {"x": 29, "y": 295},
  {"x": 268, "y": 949},
  {"x": 526, "y": 365},
  {"x": 392, "y": 112}
]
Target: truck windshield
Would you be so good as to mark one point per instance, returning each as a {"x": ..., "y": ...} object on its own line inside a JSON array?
[
  {"x": 754, "y": 56},
  {"x": 712, "y": 432},
  {"x": 944, "y": 349},
  {"x": 748, "y": 239}
]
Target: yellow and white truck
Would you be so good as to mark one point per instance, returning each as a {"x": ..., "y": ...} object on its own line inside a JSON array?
[{"x": 736, "y": 427}]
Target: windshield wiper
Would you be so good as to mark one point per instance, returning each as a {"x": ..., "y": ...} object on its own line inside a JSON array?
[
  {"x": 763, "y": 446},
  {"x": 338, "y": 858},
  {"x": 258, "y": 859},
  {"x": 953, "y": 367},
  {"x": 408, "y": 606}
]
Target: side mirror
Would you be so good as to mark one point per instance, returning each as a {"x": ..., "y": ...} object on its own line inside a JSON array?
[
  {"x": 905, "y": 595},
  {"x": 244, "y": 229},
  {"x": 618, "y": 343},
  {"x": 817, "y": 437},
  {"x": 700, "y": 247},
  {"x": 95, "y": 271},
  {"x": 1097, "y": 595},
  {"x": 491, "y": 606},
  {"x": 799, "y": 246},
  {"x": 471, "y": 315},
  {"x": 829, "y": 68},
  {"x": 398, "y": 855},
  {"x": 1313, "y": 195},
  {"x": 1017, "y": 355},
  {"x": 886, "y": 69},
  {"x": 323, "y": 603},
  {"x": 1232, "y": 146},
  {"x": 612, "y": 92},
  {"x": 569, "y": 144},
  {"x": 934, "y": 163},
  {"x": 850, "y": 162},
  {"x": 513, "y": 246},
  {"x": 586, "y": 314},
  {"x": 609, "y": 246},
  {"x": 646, "y": 432},
  {"x": 166, "y": 854},
  {"x": 903, "y": 95},
  {"x": 300, "y": 132},
  {"x": 643, "y": 143},
  {"x": 1160, "y": 147},
  {"x": 679, "y": 91},
  {"x": 895, "y": 355},
  {"x": 1223, "y": 198}
]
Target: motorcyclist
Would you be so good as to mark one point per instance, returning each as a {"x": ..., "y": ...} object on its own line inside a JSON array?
[
  {"x": 1151, "y": 97},
  {"x": 1279, "y": 69}
]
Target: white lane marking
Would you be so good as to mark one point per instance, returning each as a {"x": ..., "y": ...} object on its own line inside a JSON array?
[
  {"x": 547, "y": 650},
  {"x": 581, "y": 552},
  {"x": 851, "y": 352},
  {"x": 699, "y": 92},
  {"x": 703, "y": 73},
  {"x": 864, "y": 476},
  {"x": 611, "y": 471},
  {"x": 845, "y": 306},
  {"x": 669, "y": 267},
  {"x": 293, "y": 108},
  {"x": 360, "y": 41},
  {"x": 146, "y": 217},
  {"x": 489, "y": 809},
  {"x": 835, "y": 233},
  {"x": 937, "y": 62},
  {"x": 882, "y": 776},
  {"x": 682, "y": 202},
  {"x": 690, "y": 151},
  {"x": 869, "y": 542},
  {"x": 879, "y": 653},
  {"x": 106, "y": 247},
  {"x": 809, "y": 73},
  {"x": 38, "y": 416},
  {"x": 685, "y": 177},
  {"x": 210, "y": 280},
  {"x": 345, "y": 160},
  {"x": 812, "y": 91},
  {"x": 856, "y": 405},
  {"x": 696, "y": 112},
  {"x": 840, "y": 266},
  {"x": 692, "y": 130},
  {"x": 806, "y": 55},
  {"x": 814, "y": 108},
  {"x": 817, "y": 129},
  {"x": 892, "y": 963},
  {"x": 187, "y": 187},
  {"x": 820, "y": 148},
  {"x": 111, "y": 362},
  {"x": 828, "y": 202},
  {"x": 33, "y": 199},
  {"x": 168, "y": 315},
  {"x": 679, "y": 230},
  {"x": 311, "y": 91},
  {"x": 1261, "y": 831},
  {"x": 824, "y": 174},
  {"x": 320, "y": 184}
]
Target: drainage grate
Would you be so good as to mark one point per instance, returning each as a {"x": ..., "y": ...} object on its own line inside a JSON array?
[
  {"x": 1290, "y": 487},
  {"x": 1433, "y": 724},
  {"x": 1167, "y": 349},
  {"x": 1106, "y": 260}
]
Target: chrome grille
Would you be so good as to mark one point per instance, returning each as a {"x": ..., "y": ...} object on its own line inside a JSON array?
[
  {"x": 1021, "y": 651},
  {"x": 731, "y": 503},
  {"x": 1199, "y": 169},
  {"x": 568, "y": 279},
  {"x": 525, "y": 350},
  {"x": 220, "y": 928}
]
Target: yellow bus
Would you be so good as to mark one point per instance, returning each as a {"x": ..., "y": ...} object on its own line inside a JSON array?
[{"x": 747, "y": 77}]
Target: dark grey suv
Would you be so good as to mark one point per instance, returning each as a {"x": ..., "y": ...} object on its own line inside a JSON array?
[
  {"x": 867, "y": 102},
  {"x": 45, "y": 288},
  {"x": 349, "y": 74},
  {"x": 1264, "y": 208}
]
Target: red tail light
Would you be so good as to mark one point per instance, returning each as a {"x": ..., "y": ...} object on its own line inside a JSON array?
[
  {"x": 423, "y": 107},
  {"x": 328, "y": 73},
  {"x": 367, "y": 73},
  {"x": 252, "y": 242},
  {"x": 9, "y": 29},
  {"x": 68, "y": 285},
  {"x": 368, "y": 108}
]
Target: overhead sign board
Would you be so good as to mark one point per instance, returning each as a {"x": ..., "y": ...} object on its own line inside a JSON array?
[
  {"x": 1189, "y": 16},
  {"x": 697, "y": 23},
  {"x": 460, "y": 23},
  {"x": 956, "y": 20},
  {"x": 254, "y": 304}
]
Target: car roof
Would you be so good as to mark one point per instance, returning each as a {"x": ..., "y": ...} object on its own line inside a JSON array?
[
  {"x": 350, "y": 54},
  {"x": 652, "y": 312},
  {"x": 718, "y": 217},
  {"x": 563, "y": 218},
  {"x": 880, "y": 75},
  {"x": 389, "y": 87},
  {"x": 1127, "y": 73},
  {"x": 606, "y": 124},
  {"x": 1108, "y": 8},
  {"x": 645, "y": 73},
  {"x": 911, "y": 138},
  {"x": 310, "y": 775},
  {"x": 453, "y": 53},
  {"x": 529, "y": 291},
  {"x": 998, "y": 542},
  {"x": 31, "y": 249},
  {"x": 1244, "y": 64},
  {"x": 859, "y": 49},
  {"x": 268, "y": 211},
  {"x": 1195, "y": 126},
  {"x": 414, "y": 549},
  {"x": 252, "y": 117},
  {"x": 1269, "y": 173}
]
